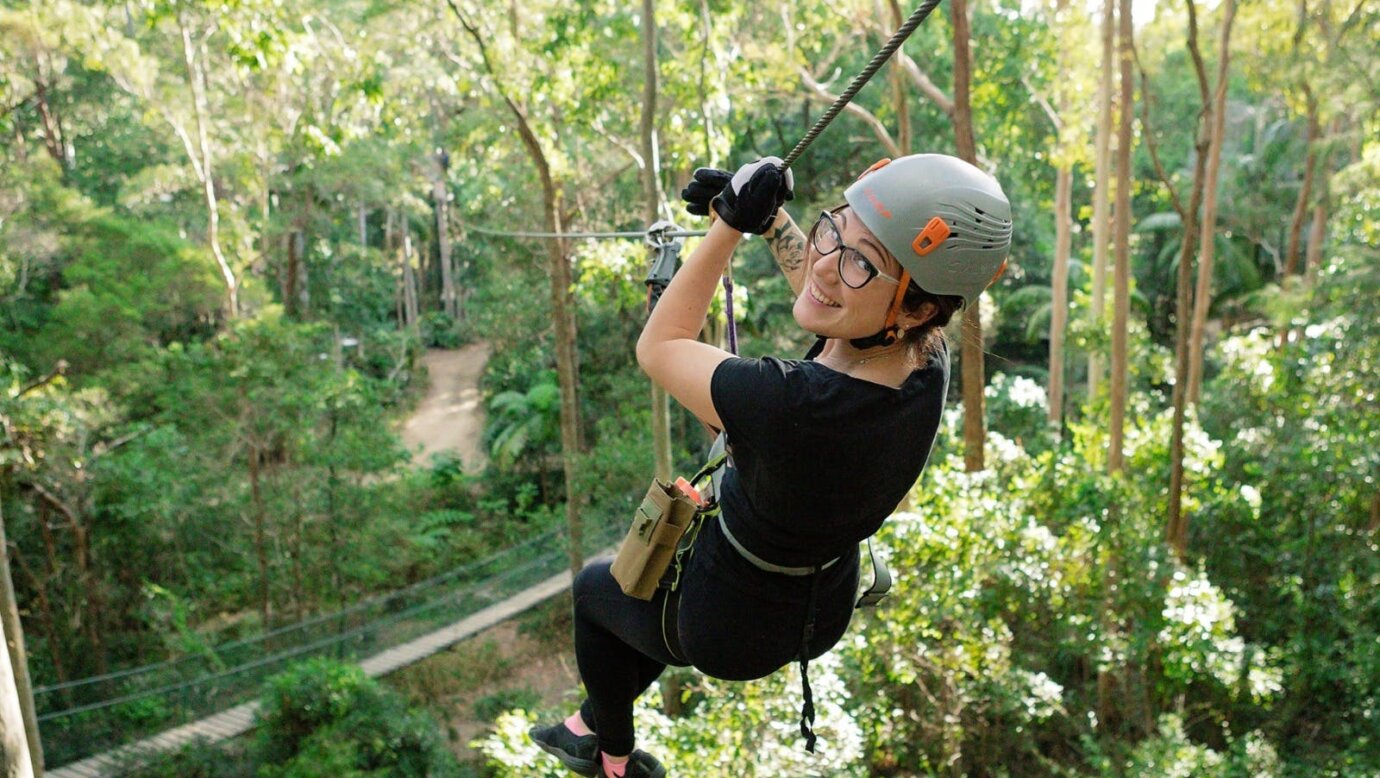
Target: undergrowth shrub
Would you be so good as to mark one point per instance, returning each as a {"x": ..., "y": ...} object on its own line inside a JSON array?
[{"x": 325, "y": 718}]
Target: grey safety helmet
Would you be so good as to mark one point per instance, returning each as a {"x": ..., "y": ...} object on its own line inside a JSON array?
[{"x": 945, "y": 221}]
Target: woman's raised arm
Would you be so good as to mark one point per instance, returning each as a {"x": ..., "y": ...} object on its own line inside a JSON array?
[{"x": 669, "y": 350}]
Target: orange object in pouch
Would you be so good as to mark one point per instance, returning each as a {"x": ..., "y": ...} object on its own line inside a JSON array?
[{"x": 688, "y": 489}]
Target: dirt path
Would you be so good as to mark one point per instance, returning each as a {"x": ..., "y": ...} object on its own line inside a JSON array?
[{"x": 451, "y": 417}]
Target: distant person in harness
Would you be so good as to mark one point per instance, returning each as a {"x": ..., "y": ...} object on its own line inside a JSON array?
[{"x": 822, "y": 448}]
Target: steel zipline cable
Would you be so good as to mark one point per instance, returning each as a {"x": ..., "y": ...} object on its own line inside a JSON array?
[{"x": 862, "y": 78}]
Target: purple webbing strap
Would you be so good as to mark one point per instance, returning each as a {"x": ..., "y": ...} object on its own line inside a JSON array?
[{"x": 728, "y": 312}]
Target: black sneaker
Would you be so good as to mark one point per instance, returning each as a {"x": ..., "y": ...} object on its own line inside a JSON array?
[
  {"x": 579, "y": 753},
  {"x": 643, "y": 765}
]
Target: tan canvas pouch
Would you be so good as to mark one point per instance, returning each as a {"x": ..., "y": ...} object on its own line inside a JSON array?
[{"x": 658, "y": 524}]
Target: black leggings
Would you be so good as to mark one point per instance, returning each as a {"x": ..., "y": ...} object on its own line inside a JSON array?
[{"x": 736, "y": 623}]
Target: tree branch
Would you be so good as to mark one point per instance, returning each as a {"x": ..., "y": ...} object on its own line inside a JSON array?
[
  {"x": 1198, "y": 68},
  {"x": 823, "y": 95},
  {"x": 58, "y": 369},
  {"x": 1150, "y": 137},
  {"x": 923, "y": 82},
  {"x": 103, "y": 448},
  {"x": 56, "y": 502},
  {"x": 1040, "y": 98}
]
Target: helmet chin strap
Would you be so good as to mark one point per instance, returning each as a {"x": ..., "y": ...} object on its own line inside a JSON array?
[{"x": 890, "y": 332}]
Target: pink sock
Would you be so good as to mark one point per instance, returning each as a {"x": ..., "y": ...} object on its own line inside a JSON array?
[
  {"x": 614, "y": 769},
  {"x": 576, "y": 724}
]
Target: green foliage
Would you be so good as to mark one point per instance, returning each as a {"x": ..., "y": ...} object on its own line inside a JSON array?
[
  {"x": 748, "y": 729},
  {"x": 1016, "y": 588},
  {"x": 488, "y": 707},
  {"x": 198, "y": 759},
  {"x": 1018, "y": 408},
  {"x": 1301, "y": 439},
  {"x": 441, "y": 331},
  {"x": 320, "y": 717},
  {"x": 526, "y": 425}
]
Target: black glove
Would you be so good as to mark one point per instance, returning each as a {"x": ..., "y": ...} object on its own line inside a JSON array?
[
  {"x": 748, "y": 203},
  {"x": 707, "y": 183}
]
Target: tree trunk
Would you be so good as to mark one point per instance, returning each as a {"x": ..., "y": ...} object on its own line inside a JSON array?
[
  {"x": 1183, "y": 289},
  {"x": 14, "y": 737},
  {"x": 974, "y": 378},
  {"x": 46, "y": 617},
  {"x": 439, "y": 197},
  {"x": 362, "y": 216},
  {"x": 1121, "y": 277},
  {"x": 562, "y": 306},
  {"x": 13, "y": 633},
  {"x": 260, "y": 533},
  {"x": 1063, "y": 206},
  {"x": 196, "y": 76},
  {"x": 1063, "y": 231},
  {"x": 1310, "y": 164},
  {"x": 290, "y": 276},
  {"x": 1202, "y": 298},
  {"x": 651, "y": 193},
  {"x": 1317, "y": 234},
  {"x": 52, "y": 129},
  {"x": 1183, "y": 311},
  {"x": 410, "y": 303},
  {"x": 1101, "y": 197},
  {"x": 900, "y": 94}
]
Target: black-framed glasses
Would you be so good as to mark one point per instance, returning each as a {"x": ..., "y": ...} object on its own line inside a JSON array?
[{"x": 855, "y": 269}]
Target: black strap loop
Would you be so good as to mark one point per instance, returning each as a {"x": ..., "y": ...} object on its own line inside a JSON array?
[{"x": 807, "y": 711}]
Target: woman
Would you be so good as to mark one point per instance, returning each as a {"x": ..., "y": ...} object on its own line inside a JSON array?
[{"x": 823, "y": 449}]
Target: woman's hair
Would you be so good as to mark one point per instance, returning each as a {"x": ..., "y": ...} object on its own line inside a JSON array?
[{"x": 928, "y": 338}]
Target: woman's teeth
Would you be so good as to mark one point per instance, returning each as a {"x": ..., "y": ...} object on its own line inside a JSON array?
[{"x": 819, "y": 297}]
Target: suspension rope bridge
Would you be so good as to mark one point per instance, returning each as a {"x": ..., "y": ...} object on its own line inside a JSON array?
[{"x": 165, "y": 705}]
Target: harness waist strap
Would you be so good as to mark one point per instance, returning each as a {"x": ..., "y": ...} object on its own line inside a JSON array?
[{"x": 762, "y": 564}]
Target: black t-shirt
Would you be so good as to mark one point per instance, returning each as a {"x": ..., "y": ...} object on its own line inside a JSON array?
[{"x": 820, "y": 458}]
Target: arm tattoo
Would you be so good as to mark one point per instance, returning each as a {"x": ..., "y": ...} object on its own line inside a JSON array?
[{"x": 787, "y": 244}]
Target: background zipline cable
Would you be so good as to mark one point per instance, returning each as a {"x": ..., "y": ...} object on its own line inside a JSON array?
[{"x": 595, "y": 235}]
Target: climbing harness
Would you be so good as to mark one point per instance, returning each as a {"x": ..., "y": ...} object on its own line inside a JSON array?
[{"x": 713, "y": 470}]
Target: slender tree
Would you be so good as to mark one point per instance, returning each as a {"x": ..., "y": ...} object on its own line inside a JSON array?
[
  {"x": 440, "y": 196},
  {"x": 12, "y": 630},
  {"x": 651, "y": 194},
  {"x": 558, "y": 267},
  {"x": 1202, "y": 297},
  {"x": 1063, "y": 229},
  {"x": 974, "y": 378},
  {"x": 1183, "y": 307},
  {"x": 1102, "y": 199},
  {"x": 1121, "y": 276},
  {"x": 14, "y": 741},
  {"x": 202, "y": 158}
]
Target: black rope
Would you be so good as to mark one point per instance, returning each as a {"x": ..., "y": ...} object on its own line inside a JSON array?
[{"x": 862, "y": 78}]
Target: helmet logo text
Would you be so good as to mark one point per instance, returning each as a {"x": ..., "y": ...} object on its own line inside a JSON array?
[{"x": 876, "y": 202}]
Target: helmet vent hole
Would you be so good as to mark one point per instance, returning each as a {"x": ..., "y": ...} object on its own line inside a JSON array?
[{"x": 979, "y": 210}]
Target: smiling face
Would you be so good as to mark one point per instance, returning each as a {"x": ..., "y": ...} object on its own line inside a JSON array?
[{"x": 829, "y": 307}]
